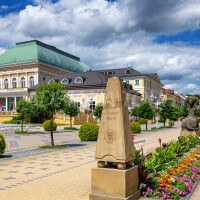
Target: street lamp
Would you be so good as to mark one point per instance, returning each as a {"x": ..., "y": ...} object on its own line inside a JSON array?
[{"x": 156, "y": 101}]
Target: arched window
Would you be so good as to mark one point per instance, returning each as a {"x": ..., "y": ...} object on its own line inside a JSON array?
[
  {"x": 31, "y": 81},
  {"x": 6, "y": 83},
  {"x": 78, "y": 80},
  {"x": 128, "y": 71},
  {"x": 23, "y": 82},
  {"x": 65, "y": 81},
  {"x": 110, "y": 73},
  {"x": 14, "y": 83},
  {"x": 51, "y": 81}
]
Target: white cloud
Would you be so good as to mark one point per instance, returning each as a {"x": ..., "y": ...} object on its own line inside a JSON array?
[
  {"x": 2, "y": 50},
  {"x": 184, "y": 88},
  {"x": 114, "y": 35}
]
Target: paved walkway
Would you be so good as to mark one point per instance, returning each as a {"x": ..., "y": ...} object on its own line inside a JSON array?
[
  {"x": 39, "y": 138},
  {"x": 196, "y": 193},
  {"x": 61, "y": 174},
  {"x": 15, "y": 142}
]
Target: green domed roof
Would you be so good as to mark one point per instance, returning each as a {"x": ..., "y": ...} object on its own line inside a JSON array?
[{"x": 34, "y": 51}]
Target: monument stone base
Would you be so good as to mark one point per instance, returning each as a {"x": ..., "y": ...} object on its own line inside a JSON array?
[{"x": 114, "y": 184}]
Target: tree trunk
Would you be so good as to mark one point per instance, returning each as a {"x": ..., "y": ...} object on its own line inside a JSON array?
[
  {"x": 164, "y": 121},
  {"x": 22, "y": 125},
  {"x": 146, "y": 124},
  {"x": 70, "y": 121},
  {"x": 52, "y": 140}
]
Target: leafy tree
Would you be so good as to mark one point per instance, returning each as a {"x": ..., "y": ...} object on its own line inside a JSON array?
[
  {"x": 184, "y": 111},
  {"x": 166, "y": 110},
  {"x": 49, "y": 99},
  {"x": 71, "y": 109},
  {"x": 135, "y": 112},
  {"x": 98, "y": 111},
  {"x": 146, "y": 112},
  {"x": 24, "y": 109},
  {"x": 176, "y": 113},
  {"x": 196, "y": 95},
  {"x": 197, "y": 112}
]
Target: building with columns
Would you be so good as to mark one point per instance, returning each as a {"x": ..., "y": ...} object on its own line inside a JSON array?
[{"x": 31, "y": 63}]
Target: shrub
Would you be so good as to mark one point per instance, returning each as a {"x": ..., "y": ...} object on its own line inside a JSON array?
[
  {"x": 2, "y": 144},
  {"x": 17, "y": 120},
  {"x": 171, "y": 123},
  {"x": 161, "y": 119},
  {"x": 135, "y": 127},
  {"x": 88, "y": 132},
  {"x": 71, "y": 128},
  {"x": 22, "y": 132},
  {"x": 48, "y": 127},
  {"x": 142, "y": 121}
]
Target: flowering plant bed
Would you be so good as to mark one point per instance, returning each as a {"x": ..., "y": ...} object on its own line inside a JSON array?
[{"x": 172, "y": 171}]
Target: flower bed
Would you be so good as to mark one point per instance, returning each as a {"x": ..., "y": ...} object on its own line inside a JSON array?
[{"x": 172, "y": 171}]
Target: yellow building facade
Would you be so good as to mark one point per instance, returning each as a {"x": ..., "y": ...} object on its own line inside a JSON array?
[{"x": 176, "y": 99}]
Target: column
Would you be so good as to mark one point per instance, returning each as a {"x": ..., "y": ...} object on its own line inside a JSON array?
[
  {"x": 18, "y": 82},
  {"x": 9, "y": 82},
  {"x": 26, "y": 80},
  {"x": 36, "y": 77},
  {"x": 15, "y": 103},
  {"x": 6, "y": 104},
  {"x": 1, "y": 83}
]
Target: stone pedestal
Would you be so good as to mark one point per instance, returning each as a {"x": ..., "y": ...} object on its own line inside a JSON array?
[{"x": 114, "y": 184}]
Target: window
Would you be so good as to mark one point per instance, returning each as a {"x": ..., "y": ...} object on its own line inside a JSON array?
[
  {"x": 78, "y": 80},
  {"x": 23, "y": 82},
  {"x": 65, "y": 81},
  {"x": 0, "y": 84},
  {"x": 128, "y": 71},
  {"x": 43, "y": 78},
  {"x": 52, "y": 81},
  {"x": 31, "y": 81},
  {"x": 91, "y": 105},
  {"x": 6, "y": 84},
  {"x": 137, "y": 82},
  {"x": 110, "y": 73},
  {"x": 127, "y": 82},
  {"x": 14, "y": 83}
]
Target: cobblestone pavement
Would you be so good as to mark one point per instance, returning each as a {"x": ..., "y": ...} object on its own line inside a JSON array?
[
  {"x": 60, "y": 174},
  {"x": 17, "y": 142}
]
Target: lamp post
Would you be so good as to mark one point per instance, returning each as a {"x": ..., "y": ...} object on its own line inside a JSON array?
[{"x": 156, "y": 101}]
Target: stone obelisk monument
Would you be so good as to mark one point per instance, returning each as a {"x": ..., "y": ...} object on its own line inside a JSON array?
[{"x": 115, "y": 178}]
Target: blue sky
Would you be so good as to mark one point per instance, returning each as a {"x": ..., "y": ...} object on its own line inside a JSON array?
[
  {"x": 192, "y": 37},
  {"x": 10, "y": 6},
  {"x": 151, "y": 36}
]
